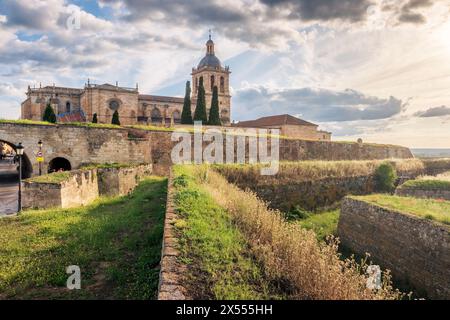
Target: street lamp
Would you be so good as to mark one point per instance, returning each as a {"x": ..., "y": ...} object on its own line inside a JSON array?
[
  {"x": 19, "y": 151},
  {"x": 40, "y": 156}
]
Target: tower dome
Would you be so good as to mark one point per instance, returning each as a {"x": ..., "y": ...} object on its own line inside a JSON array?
[{"x": 210, "y": 59}]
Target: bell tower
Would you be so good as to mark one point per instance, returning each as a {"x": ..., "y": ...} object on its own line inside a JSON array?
[{"x": 212, "y": 72}]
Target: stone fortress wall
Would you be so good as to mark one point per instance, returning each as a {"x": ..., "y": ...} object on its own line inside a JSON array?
[
  {"x": 416, "y": 250},
  {"x": 83, "y": 187},
  {"x": 85, "y": 145}
]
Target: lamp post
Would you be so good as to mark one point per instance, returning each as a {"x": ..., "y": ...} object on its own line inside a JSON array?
[
  {"x": 40, "y": 155},
  {"x": 19, "y": 151}
]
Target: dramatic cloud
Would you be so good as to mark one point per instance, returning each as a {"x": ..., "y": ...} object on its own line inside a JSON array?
[
  {"x": 408, "y": 14},
  {"x": 315, "y": 104},
  {"x": 434, "y": 112},
  {"x": 307, "y": 10}
]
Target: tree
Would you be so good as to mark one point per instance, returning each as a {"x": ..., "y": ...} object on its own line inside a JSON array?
[
  {"x": 95, "y": 118},
  {"x": 115, "y": 118},
  {"x": 385, "y": 177},
  {"x": 200, "y": 109},
  {"x": 49, "y": 114},
  {"x": 214, "y": 118},
  {"x": 186, "y": 115}
]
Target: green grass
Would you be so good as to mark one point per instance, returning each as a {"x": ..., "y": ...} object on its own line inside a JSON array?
[
  {"x": 91, "y": 125},
  {"x": 107, "y": 166},
  {"x": 53, "y": 178},
  {"x": 218, "y": 258},
  {"x": 116, "y": 243},
  {"x": 27, "y": 122},
  {"x": 436, "y": 210},
  {"x": 323, "y": 224},
  {"x": 427, "y": 184}
]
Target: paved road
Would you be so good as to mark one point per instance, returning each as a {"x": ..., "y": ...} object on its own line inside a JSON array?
[{"x": 8, "y": 188}]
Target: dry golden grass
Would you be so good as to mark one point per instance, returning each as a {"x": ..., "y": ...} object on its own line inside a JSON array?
[
  {"x": 314, "y": 170},
  {"x": 440, "y": 177},
  {"x": 288, "y": 253}
]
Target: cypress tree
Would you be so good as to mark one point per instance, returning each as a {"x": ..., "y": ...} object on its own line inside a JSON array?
[
  {"x": 186, "y": 115},
  {"x": 214, "y": 118},
  {"x": 115, "y": 118},
  {"x": 95, "y": 119},
  {"x": 49, "y": 114},
  {"x": 200, "y": 109}
]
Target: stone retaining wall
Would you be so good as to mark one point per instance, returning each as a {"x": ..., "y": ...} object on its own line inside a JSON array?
[
  {"x": 310, "y": 194},
  {"x": 416, "y": 250},
  {"x": 121, "y": 181},
  {"x": 83, "y": 187},
  {"x": 172, "y": 271}
]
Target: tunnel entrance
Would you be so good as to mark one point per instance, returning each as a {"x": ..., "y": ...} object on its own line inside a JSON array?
[
  {"x": 59, "y": 164},
  {"x": 9, "y": 162}
]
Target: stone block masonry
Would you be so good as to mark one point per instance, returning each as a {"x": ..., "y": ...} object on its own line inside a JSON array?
[
  {"x": 79, "y": 145},
  {"x": 416, "y": 250},
  {"x": 84, "y": 145},
  {"x": 121, "y": 181},
  {"x": 172, "y": 271},
  {"x": 83, "y": 187}
]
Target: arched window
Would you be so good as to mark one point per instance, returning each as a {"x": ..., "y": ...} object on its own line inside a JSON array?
[
  {"x": 222, "y": 84},
  {"x": 156, "y": 115},
  {"x": 213, "y": 80},
  {"x": 176, "y": 116},
  {"x": 201, "y": 81},
  {"x": 67, "y": 106}
]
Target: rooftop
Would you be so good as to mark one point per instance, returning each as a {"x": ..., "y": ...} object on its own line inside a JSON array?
[
  {"x": 160, "y": 98},
  {"x": 277, "y": 120}
]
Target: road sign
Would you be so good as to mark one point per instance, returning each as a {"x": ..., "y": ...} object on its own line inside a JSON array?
[{"x": 39, "y": 157}]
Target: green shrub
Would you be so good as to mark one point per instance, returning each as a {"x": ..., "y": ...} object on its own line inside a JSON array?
[
  {"x": 115, "y": 118},
  {"x": 49, "y": 114},
  {"x": 385, "y": 177},
  {"x": 297, "y": 213},
  {"x": 186, "y": 115}
]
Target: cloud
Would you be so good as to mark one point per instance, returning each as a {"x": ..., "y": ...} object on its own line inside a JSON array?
[
  {"x": 320, "y": 105},
  {"x": 322, "y": 10},
  {"x": 408, "y": 15},
  {"x": 434, "y": 112}
]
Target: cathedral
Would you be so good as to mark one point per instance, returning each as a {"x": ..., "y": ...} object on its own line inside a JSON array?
[{"x": 80, "y": 105}]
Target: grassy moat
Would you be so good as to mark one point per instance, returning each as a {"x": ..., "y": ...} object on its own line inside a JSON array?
[{"x": 116, "y": 242}]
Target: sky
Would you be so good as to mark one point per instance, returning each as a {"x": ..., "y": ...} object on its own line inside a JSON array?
[{"x": 372, "y": 69}]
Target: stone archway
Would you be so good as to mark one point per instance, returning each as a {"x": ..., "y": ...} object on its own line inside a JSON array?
[
  {"x": 27, "y": 168},
  {"x": 59, "y": 164}
]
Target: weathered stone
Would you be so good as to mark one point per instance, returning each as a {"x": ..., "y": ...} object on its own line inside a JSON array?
[
  {"x": 416, "y": 250},
  {"x": 83, "y": 187}
]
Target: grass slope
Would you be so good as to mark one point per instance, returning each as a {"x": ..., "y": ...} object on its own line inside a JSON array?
[
  {"x": 427, "y": 184},
  {"x": 324, "y": 224},
  {"x": 116, "y": 243},
  {"x": 436, "y": 210},
  {"x": 237, "y": 248},
  {"x": 219, "y": 261}
]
